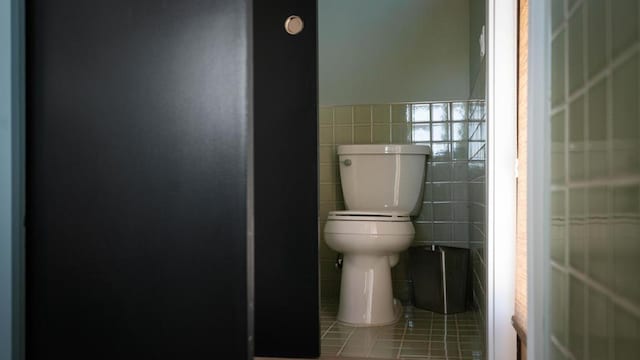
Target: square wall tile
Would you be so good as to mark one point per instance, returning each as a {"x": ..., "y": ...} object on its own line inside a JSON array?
[
  {"x": 557, "y": 68},
  {"x": 381, "y": 134},
  {"x": 558, "y": 162},
  {"x": 577, "y": 146},
  {"x": 461, "y": 233},
  {"x": 625, "y": 100},
  {"x": 577, "y": 229},
  {"x": 461, "y": 171},
  {"x": 441, "y": 192},
  {"x": 420, "y": 113},
  {"x": 440, "y": 132},
  {"x": 424, "y": 232},
  {"x": 362, "y": 134},
  {"x": 381, "y": 114},
  {"x": 325, "y": 135},
  {"x": 439, "y": 171},
  {"x": 442, "y": 212},
  {"x": 624, "y": 25},
  {"x": 460, "y": 191},
  {"x": 421, "y": 133},
  {"x": 598, "y": 230},
  {"x": 460, "y": 131},
  {"x": 343, "y": 115},
  {"x": 596, "y": 34},
  {"x": 558, "y": 239},
  {"x": 597, "y": 157},
  {"x": 557, "y": 13},
  {"x": 343, "y": 135},
  {"x": 400, "y": 134},
  {"x": 558, "y": 305},
  {"x": 626, "y": 334},
  {"x": 459, "y": 111},
  {"x": 442, "y": 233},
  {"x": 327, "y": 192},
  {"x": 426, "y": 212},
  {"x": 576, "y": 55},
  {"x": 326, "y": 154},
  {"x": 400, "y": 114},
  {"x": 625, "y": 228},
  {"x": 576, "y": 121},
  {"x": 327, "y": 173},
  {"x": 556, "y": 353},
  {"x": 599, "y": 326},
  {"x": 440, "y": 112},
  {"x": 577, "y": 315},
  {"x": 460, "y": 150},
  {"x": 325, "y": 116},
  {"x": 362, "y": 115},
  {"x": 441, "y": 152}
]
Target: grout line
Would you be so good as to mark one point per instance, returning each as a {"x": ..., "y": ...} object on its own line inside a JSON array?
[
  {"x": 346, "y": 341},
  {"x": 570, "y": 11},
  {"x": 371, "y": 124},
  {"x": 623, "y": 57},
  {"x": 430, "y": 339},
  {"x": 353, "y": 126},
  {"x": 458, "y": 337},
  {"x": 557, "y": 31},
  {"x": 587, "y": 164},
  {"x": 404, "y": 333},
  {"x": 618, "y": 300},
  {"x": 328, "y": 330},
  {"x": 562, "y": 348},
  {"x": 611, "y": 180},
  {"x": 609, "y": 123}
]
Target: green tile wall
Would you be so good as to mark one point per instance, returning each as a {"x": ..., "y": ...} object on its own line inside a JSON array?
[{"x": 595, "y": 174}]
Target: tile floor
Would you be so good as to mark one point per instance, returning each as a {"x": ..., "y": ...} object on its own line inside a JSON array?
[{"x": 420, "y": 334}]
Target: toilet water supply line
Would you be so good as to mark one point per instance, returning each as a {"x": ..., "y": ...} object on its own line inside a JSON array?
[{"x": 444, "y": 280}]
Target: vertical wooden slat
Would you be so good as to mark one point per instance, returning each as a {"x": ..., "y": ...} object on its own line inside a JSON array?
[{"x": 520, "y": 316}]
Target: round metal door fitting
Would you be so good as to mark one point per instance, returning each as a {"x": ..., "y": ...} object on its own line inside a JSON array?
[{"x": 293, "y": 25}]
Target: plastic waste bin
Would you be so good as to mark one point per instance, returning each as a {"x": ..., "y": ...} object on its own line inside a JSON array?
[{"x": 440, "y": 278}]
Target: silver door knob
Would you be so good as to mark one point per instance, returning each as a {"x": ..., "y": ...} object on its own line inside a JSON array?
[{"x": 347, "y": 162}]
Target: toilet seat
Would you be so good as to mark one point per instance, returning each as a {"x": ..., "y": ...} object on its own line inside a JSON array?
[
  {"x": 354, "y": 215},
  {"x": 370, "y": 242}
]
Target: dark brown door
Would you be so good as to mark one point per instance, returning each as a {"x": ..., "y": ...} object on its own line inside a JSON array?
[
  {"x": 137, "y": 172},
  {"x": 286, "y": 227}
]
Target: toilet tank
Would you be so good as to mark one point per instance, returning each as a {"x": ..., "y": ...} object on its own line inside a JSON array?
[{"x": 383, "y": 177}]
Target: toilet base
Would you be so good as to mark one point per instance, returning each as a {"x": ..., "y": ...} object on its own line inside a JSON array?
[{"x": 366, "y": 294}]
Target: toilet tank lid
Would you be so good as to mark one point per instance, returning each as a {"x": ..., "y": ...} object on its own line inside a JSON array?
[{"x": 377, "y": 149}]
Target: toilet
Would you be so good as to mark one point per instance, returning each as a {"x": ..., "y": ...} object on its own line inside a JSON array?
[{"x": 382, "y": 187}]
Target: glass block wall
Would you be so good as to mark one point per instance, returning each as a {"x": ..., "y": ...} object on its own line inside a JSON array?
[
  {"x": 448, "y": 129},
  {"x": 478, "y": 200},
  {"x": 595, "y": 170}
]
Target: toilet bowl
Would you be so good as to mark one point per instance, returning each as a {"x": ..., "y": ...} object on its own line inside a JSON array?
[
  {"x": 370, "y": 243},
  {"x": 382, "y": 187}
]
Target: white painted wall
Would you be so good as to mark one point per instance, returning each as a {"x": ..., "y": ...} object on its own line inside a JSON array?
[
  {"x": 502, "y": 31},
  {"x": 384, "y": 51}
]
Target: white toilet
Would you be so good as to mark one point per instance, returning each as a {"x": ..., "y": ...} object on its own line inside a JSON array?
[{"x": 382, "y": 187}]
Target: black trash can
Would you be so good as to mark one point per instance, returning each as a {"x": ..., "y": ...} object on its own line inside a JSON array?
[{"x": 440, "y": 277}]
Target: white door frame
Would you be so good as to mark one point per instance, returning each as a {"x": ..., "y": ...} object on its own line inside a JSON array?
[
  {"x": 539, "y": 178},
  {"x": 502, "y": 24}
]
